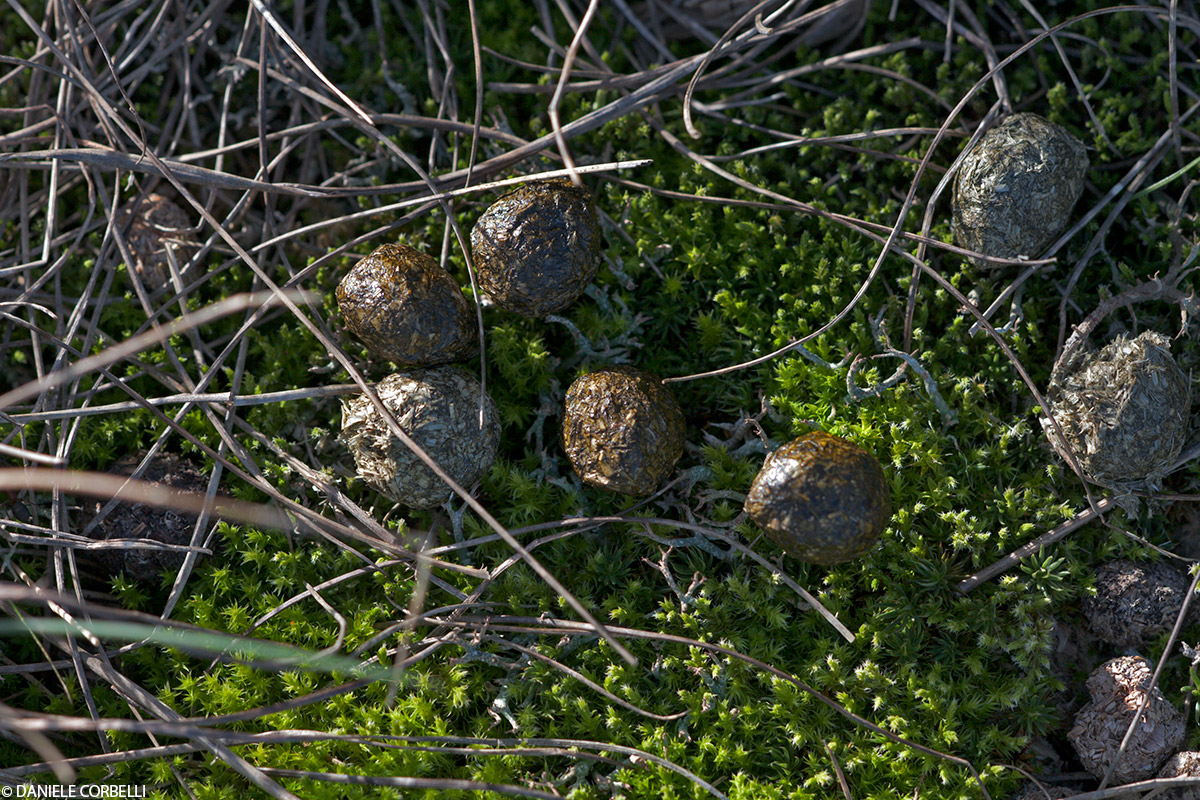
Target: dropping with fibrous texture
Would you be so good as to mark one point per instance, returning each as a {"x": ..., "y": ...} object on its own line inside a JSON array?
[
  {"x": 1118, "y": 689},
  {"x": 444, "y": 411},
  {"x": 622, "y": 430},
  {"x": 1122, "y": 411},
  {"x": 1014, "y": 190}
]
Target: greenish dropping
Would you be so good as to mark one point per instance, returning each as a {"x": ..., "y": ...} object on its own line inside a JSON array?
[
  {"x": 444, "y": 411},
  {"x": 1014, "y": 192},
  {"x": 1123, "y": 411},
  {"x": 536, "y": 249},
  {"x": 406, "y": 308},
  {"x": 623, "y": 430}
]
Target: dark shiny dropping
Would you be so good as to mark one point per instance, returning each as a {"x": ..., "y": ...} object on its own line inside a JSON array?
[
  {"x": 821, "y": 498},
  {"x": 536, "y": 249},
  {"x": 622, "y": 430},
  {"x": 406, "y": 308}
]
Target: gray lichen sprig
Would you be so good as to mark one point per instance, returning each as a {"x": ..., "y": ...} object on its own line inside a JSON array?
[{"x": 882, "y": 340}]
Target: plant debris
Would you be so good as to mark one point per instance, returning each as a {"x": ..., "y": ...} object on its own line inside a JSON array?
[
  {"x": 1117, "y": 689},
  {"x": 1031, "y": 791},
  {"x": 1014, "y": 191},
  {"x": 677, "y": 19},
  {"x": 821, "y": 498},
  {"x": 139, "y": 521},
  {"x": 1185, "y": 764},
  {"x": 1123, "y": 411},
  {"x": 1134, "y": 602},
  {"x": 439, "y": 408},
  {"x": 406, "y": 308},
  {"x": 622, "y": 430},
  {"x": 536, "y": 249}
]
